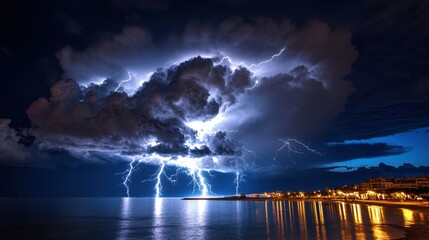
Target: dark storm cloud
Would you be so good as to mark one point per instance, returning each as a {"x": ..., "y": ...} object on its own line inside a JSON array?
[
  {"x": 17, "y": 148},
  {"x": 300, "y": 91},
  {"x": 296, "y": 95},
  {"x": 331, "y": 154},
  {"x": 315, "y": 44},
  {"x": 346, "y": 175},
  {"x": 87, "y": 120},
  {"x": 390, "y": 74},
  {"x": 9, "y": 147},
  {"x": 224, "y": 146},
  {"x": 343, "y": 152},
  {"x": 295, "y": 104},
  {"x": 385, "y": 170},
  {"x": 199, "y": 152},
  {"x": 107, "y": 56}
]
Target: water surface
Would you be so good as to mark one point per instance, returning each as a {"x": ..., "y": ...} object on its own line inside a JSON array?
[{"x": 172, "y": 218}]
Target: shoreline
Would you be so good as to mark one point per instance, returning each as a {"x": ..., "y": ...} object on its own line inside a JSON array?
[{"x": 413, "y": 205}]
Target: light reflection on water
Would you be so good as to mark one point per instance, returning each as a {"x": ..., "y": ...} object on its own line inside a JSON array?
[
  {"x": 289, "y": 219},
  {"x": 167, "y": 218},
  {"x": 125, "y": 219},
  {"x": 158, "y": 219},
  {"x": 352, "y": 221}
]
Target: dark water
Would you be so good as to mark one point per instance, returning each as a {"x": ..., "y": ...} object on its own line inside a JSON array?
[{"x": 149, "y": 218}]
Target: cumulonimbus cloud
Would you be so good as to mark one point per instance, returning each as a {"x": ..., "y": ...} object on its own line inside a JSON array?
[{"x": 208, "y": 109}]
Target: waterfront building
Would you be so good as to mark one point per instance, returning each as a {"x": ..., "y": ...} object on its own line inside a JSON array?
[{"x": 381, "y": 184}]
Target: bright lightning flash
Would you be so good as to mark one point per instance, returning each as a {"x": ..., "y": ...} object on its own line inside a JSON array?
[
  {"x": 184, "y": 165},
  {"x": 192, "y": 166},
  {"x": 158, "y": 186},
  {"x": 293, "y": 145},
  {"x": 203, "y": 184},
  {"x": 238, "y": 179},
  {"x": 130, "y": 77},
  {"x": 253, "y": 66},
  {"x": 127, "y": 177}
]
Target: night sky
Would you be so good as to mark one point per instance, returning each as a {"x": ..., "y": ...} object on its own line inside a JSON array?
[{"x": 292, "y": 95}]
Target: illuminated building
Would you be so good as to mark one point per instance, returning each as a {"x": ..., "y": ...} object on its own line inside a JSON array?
[{"x": 383, "y": 184}]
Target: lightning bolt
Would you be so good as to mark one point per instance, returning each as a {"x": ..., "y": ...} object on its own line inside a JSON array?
[
  {"x": 222, "y": 58},
  {"x": 268, "y": 60},
  {"x": 190, "y": 166},
  {"x": 173, "y": 177},
  {"x": 250, "y": 152},
  {"x": 143, "y": 80},
  {"x": 130, "y": 77},
  {"x": 238, "y": 179},
  {"x": 289, "y": 144},
  {"x": 128, "y": 173},
  {"x": 203, "y": 184},
  {"x": 156, "y": 177},
  {"x": 184, "y": 165},
  {"x": 254, "y": 85},
  {"x": 199, "y": 181},
  {"x": 158, "y": 185},
  {"x": 234, "y": 64}
]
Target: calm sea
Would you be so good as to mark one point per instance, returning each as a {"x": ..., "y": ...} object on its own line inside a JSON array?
[{"x": 172, "y": 218}]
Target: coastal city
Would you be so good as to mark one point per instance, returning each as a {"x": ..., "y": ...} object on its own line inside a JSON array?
[
  {"x": 214, "y": 119},
  {"x": 396, "y": 189}
]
